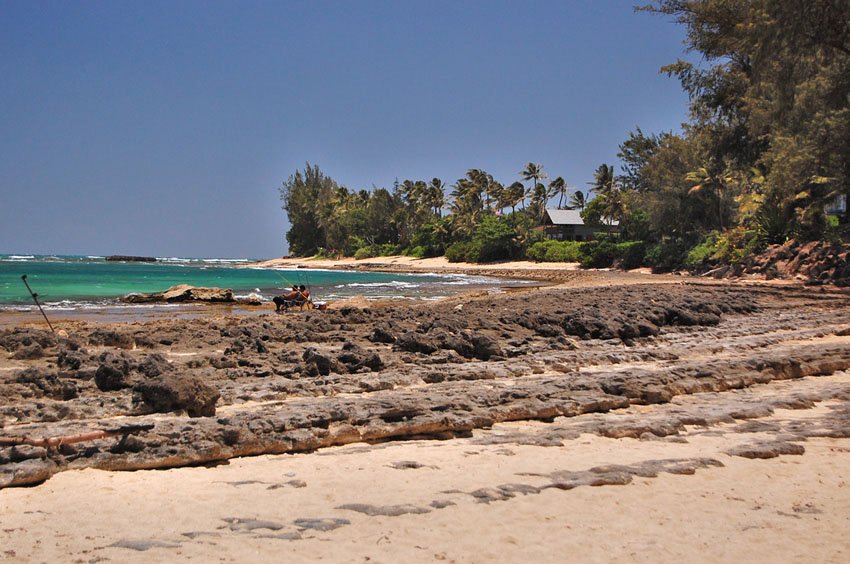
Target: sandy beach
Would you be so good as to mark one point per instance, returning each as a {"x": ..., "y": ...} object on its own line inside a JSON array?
[
  {"x": 553, "y": 272},
  {"x": 616, "y": 418}
]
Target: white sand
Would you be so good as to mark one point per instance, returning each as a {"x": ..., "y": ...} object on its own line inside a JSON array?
[
  {"x": 788, "y": 509},
  {"x": 432, "y": 264}
]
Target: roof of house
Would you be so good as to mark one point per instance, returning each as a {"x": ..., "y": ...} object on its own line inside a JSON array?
[{"x": 567, "y": 217}]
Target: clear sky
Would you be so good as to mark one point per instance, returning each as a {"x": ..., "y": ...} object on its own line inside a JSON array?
[{"x": 166, "y": 128}]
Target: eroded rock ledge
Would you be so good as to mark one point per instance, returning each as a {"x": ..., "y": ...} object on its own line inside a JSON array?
[{"x": 302, "y": 382}]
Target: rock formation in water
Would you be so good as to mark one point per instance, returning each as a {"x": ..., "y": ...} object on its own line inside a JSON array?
[
  {"x": 182, "y": 293},
  {"x": 128, "y": 258}
]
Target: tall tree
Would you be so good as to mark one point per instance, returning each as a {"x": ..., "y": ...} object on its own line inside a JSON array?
[
  {"x": 466, "y": 207},
  {"x": 577, "y": 200},
  {"x": 437, "y": 196},
  {"x": 713, "y": 181},
  {"x": 513, "y": 195},
  {"x": 558, "y": 187},
  {"x": 304, "y": 195},
  {"x": 533, "y": 172},
  {"x": 776, "y": 96},
  {"x": 607, "y": 190},
  {"x": 635, "y": 152}
]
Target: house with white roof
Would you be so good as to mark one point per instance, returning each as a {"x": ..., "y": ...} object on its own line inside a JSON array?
[{"x": 567, "y": 225}]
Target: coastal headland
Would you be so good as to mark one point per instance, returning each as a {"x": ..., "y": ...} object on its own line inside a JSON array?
[{"x": 601, "y": 416}]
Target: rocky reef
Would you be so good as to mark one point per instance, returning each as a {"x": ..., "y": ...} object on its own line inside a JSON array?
[
  {"x": 185, "y": 293},
  {"x": 129, "y": 258},
  {"x": 204, "y": 390}
]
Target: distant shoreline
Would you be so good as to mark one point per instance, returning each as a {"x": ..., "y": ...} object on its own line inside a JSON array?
[{"x": 554, "y": 272}]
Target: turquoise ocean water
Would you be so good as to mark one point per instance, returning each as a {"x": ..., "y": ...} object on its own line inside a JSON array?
[{"x": 85, "y": 282}]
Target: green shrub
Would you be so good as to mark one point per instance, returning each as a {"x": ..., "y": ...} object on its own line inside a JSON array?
[
  {"x": 737, "y": 244},
  {"x": 364, "y": 253},
  {"x": 667, "y": 255},
  {"x": 494, "y": 239},
  {"x": 387, "y": 250},
  {"x": 323, "y": 253},
  {"x": 567, "y": 251},
  {"x": 774, "y": 223},
  {"x": 555, "y": 251},
  {"x": 457, "y": 252},
  {"x": 598, "y": 254},
  {"x": 432, "y": 237},
  {"x": 531, "y": 237},
  {"x": 475, "y": 252},
  {"x": 703, "y": 254},
  {"x": 354, "y": 242},
  {"x": 630, "y": 254},
  {"x": 537, "y": 251},
  {"x": 416, "y": 252}
]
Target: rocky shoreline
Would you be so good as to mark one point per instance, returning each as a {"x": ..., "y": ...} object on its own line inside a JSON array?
[
  {"x": 202, "y": 391},
  {"x": 815, "y": 263}
]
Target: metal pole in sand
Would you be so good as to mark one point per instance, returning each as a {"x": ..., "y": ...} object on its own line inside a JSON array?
[{"x": 35, "y": 299}]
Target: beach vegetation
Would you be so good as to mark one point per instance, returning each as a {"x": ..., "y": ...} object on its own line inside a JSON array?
[
  {"x": 555, "y": 251},
  {"x": 668, "y": 254},
  {"x": 456, "y": 252},
  {"x": 364, "y": 253},
  {"x": 762, "y": 159},
  {"x": 704, "y": 254},
  {"x": 306, "y": 197}
]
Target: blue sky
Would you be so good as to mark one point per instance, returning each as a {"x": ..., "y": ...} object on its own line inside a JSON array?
[{"x": 165, "y": 128}]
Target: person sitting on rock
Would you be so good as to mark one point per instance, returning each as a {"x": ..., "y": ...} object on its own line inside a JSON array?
[
  {"x": 303, "y": 296},
  {"x": 286, "y": 300}
]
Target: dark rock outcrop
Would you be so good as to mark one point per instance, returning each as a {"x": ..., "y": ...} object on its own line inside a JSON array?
[
  {"x": 303, "y": 382},
  {"x": 129, "y": 258},
  {"x": 113, "y": 372},
  {"x": 817, "y": 262},
  {"x": 172, "y": 392},
  {"x": 183, "y": 293}
]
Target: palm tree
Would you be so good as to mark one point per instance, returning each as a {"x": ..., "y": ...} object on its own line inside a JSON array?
[
  {"x": 496, "y": 193},
  {"x": 715, "y": 182},
  {"x": 512, "y": 195},
  {"x": 533, "y": 172},
  {"x": 409, "y": 192},
  {"x": 603, "y": 180},
  {"x": 466, "y": 206},
  {"x": 558, "y": 186},
  {"x": 605, "y": 186},
  {"x": 481, "y": 180},
  {"x": 538, "y": 201},
  {"x": 577, "y": 200},
  {"x": 437, "y": 196}
]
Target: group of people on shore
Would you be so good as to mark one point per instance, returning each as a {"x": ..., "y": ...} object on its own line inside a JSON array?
[{"x": 299, "y": 296}]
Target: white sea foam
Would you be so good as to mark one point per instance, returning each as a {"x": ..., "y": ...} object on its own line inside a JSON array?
[
  {"x": 390, "y": 284},
  {"x": 211, "y": 261},
  {"x": 301, "y": 271},
  {"x": 251, "y": 296},
  {"x": 224, "y": 261},
  {"x": 172, "y": 259}
]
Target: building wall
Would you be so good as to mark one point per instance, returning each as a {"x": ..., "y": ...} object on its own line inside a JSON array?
[{"x": 572, "y": 232}]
